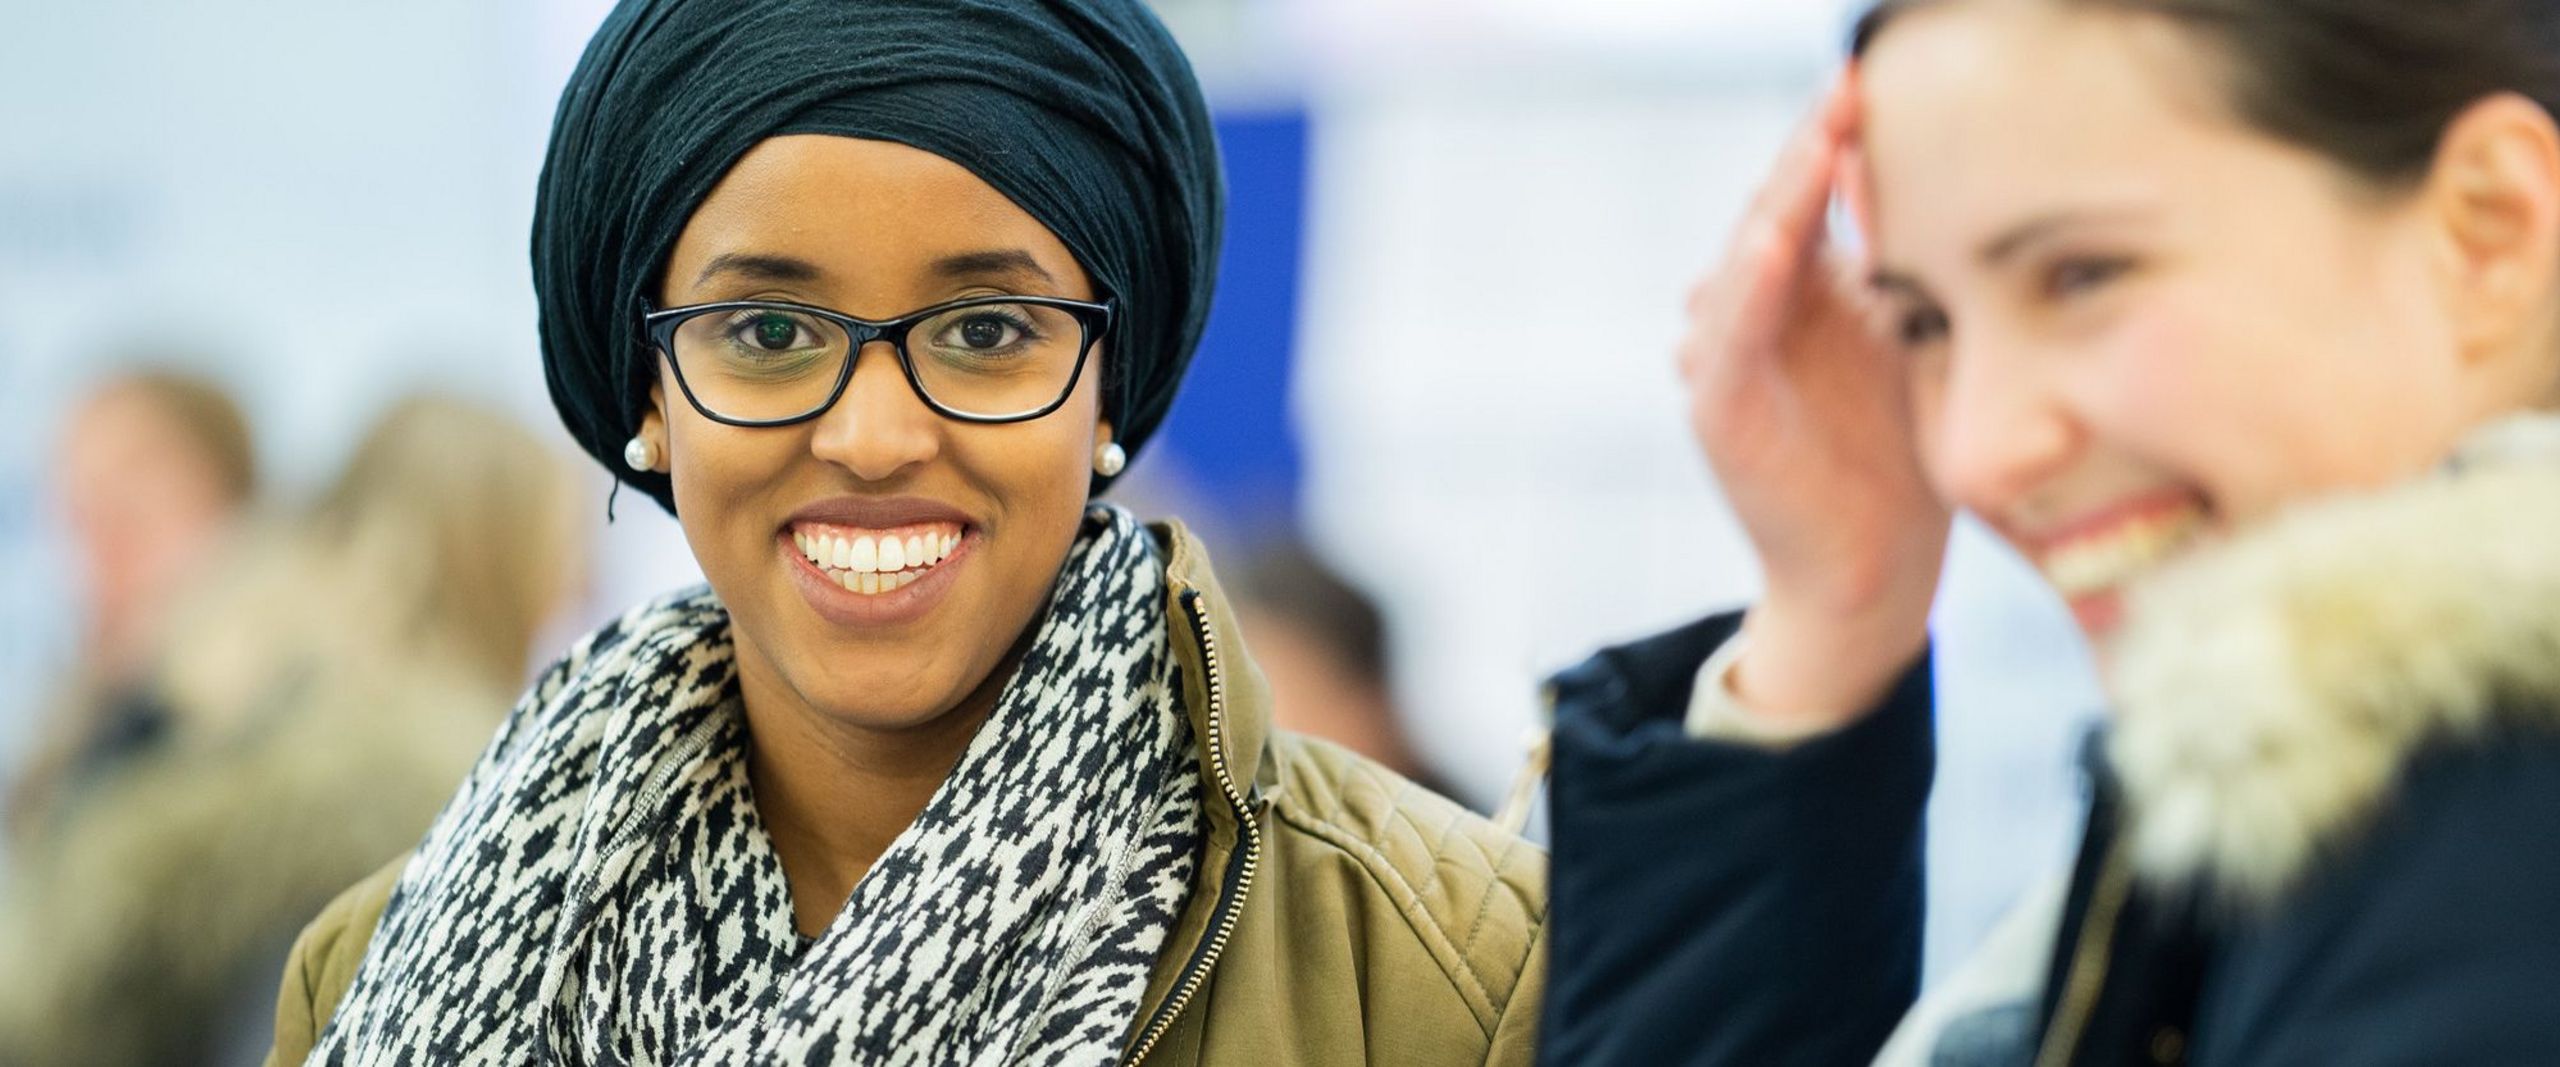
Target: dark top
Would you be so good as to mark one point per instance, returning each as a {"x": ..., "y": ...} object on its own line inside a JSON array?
[{"x": 1720, "y": 904}]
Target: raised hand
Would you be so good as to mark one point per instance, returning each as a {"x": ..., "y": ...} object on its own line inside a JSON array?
[{"x": 1801, "y": 404}]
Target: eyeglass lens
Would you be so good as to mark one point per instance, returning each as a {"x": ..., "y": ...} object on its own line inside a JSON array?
[{"x": 985, "y": 360}]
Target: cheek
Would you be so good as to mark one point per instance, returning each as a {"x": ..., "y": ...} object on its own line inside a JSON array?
[
  {"x": 2188, "y": 390},
  {"x": 2162, "y": 382},
  {"x": 1038, "y": 470},
  {"x": 2236, "y": 397},
  {"x": 716, "y": 470},
  {"x": 1036, "y": 475}
]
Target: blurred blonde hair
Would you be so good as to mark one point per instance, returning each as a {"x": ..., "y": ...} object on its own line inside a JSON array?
[
  {"x": 206, "y": 415},
  {"x": 442, "y": 546}
]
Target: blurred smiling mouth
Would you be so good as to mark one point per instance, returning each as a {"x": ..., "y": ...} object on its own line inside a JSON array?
[
  {"x": 2098, "y": 556},
  {"x": 872, "y": 562}
]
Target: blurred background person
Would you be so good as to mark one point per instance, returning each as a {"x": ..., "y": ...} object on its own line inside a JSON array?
[
  {"x": 154, "y": 469},
  {"x": 319, "y": 700},
  {"x": 1324, "y": 647}
]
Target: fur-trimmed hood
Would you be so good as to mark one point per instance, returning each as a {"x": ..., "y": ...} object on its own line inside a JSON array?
[{"x": 2271, "y": 690}]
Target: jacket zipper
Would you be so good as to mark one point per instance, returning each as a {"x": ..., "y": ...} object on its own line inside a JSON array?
[
  {"x": 2087, "y": 977},
  {"x": 1239, "y": 877}
]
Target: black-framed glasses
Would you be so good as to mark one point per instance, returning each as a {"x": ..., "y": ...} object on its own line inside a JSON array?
[{"x": 987, "y": 359}]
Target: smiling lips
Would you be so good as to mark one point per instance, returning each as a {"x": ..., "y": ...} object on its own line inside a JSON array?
[
  {"x": 2103, "y": 557},
  {"x": 871, "y": 562}
]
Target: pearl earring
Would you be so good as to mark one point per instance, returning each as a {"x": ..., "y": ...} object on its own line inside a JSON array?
[
  {"x": 1109, "y": 459},
  {"x": 641, "y": 454}
]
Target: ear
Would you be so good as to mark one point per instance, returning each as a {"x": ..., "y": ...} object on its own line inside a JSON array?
[
  {"x": 653, "y": 422},
  {"x": 2494, "y": 191},
  {"x": 1103, "y": 434}
]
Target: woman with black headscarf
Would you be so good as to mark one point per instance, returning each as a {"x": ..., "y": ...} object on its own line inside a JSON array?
[{"x": 948, "y": 764}]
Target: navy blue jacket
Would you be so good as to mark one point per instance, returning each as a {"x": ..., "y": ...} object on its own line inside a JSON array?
[{"x": 1716, "y": 904}]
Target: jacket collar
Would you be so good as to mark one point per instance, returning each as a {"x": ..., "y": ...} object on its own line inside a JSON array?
[
  {"x": 2270, "y": 690},
  {"x": 1194, "y": 602},
  {"x": 1229, "y": 707}
]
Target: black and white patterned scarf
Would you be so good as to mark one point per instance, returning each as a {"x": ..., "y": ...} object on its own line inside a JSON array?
[{"x": 601, "y": 892}]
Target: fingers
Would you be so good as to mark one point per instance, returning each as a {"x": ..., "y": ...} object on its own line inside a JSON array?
[
  {"x": 1741, "y": 310},
  {"x": 1858, "y": 197},
  {"x": 1785, "y": 227},
  {"x": 1856, "y": 193},
  {"x": 1788, "y": 211}
]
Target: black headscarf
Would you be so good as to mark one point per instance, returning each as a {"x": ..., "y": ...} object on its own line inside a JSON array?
[{"x": 1083, "y": 112}]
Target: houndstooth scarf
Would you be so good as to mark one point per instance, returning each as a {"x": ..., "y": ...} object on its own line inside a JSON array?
[{"x": 601, "y": 892}]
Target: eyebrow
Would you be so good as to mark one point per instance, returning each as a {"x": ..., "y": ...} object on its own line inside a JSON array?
[
  {"x": 760, "y": 267},
  {"x": 1012, "y": 262},
  {"x": 1007, "y": 261},
  {"x": 1899, "y": 282},
  {"x": 2007, "y": 244}
]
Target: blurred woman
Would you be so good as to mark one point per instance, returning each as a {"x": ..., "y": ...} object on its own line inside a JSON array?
[
  {"x": 948, "y": 764},
  {"x": 155, "y": 469},
  {"x": 320, "y": 698},
  {"x": 2240, "y": 319}
]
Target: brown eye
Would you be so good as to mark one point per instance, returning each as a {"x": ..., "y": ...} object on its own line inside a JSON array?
[
  {"x": 988, "y": 330},
  {"x": 1920, "y": 327},
  {"x": 985, "y": 332},
  {"x": 2076, "y": 277},
  {"x": 776, "y": 333},
  {"x": 769, "y": 332}
]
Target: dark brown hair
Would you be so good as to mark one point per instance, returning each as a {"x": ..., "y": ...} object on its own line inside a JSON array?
[{"x": 2371, "y": 84}]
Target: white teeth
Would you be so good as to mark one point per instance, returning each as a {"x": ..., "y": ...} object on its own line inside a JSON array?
[
  {"x": 2106, "y": 560},
  {"x": 887, "y": 561},
  {"x": 872, "y": 583}
]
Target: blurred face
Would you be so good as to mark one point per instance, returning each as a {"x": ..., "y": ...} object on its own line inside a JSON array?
[
  {"x": 879, "y": 561},
  {"x": 145, "y": 510},
  {"x": 2136, "y": 322},
  {"x": 1314, "y": 691}
]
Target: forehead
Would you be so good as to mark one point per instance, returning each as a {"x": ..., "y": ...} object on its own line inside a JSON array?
[
  {"x": 122, "y": 414},
  {"x": 872, "y": 216},
  {"x": 1985, "y": 111}
]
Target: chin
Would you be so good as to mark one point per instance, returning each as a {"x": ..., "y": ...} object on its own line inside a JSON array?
[
  {"x": 879, "y": 703},
  {"x": 891, "y": 721}
]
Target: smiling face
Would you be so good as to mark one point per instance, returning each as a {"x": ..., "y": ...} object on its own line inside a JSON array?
[
  {"x": 2134, "y": 320},
  {"x": 879, "y": 561}
]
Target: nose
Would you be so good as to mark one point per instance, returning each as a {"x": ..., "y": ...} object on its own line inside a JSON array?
[
  {"x": 1996, "y": 429},
  {"x": 879, "y": 427}
]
